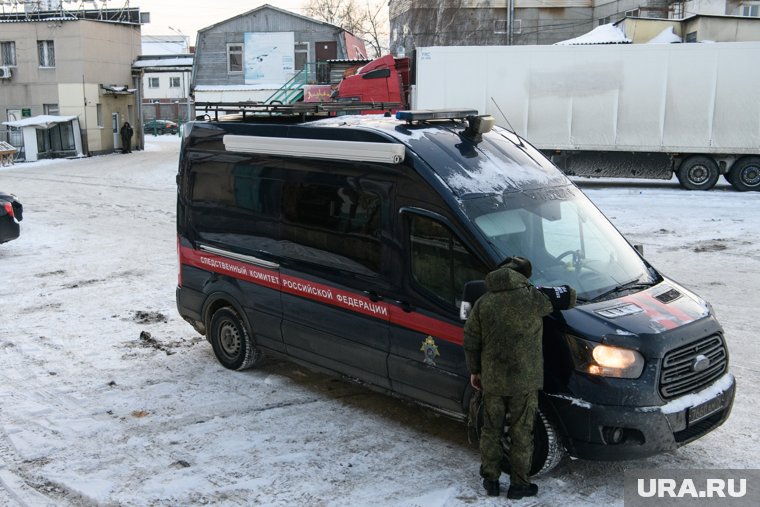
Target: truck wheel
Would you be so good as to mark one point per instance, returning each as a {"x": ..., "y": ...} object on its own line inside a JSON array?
[
  {"x": 231, "y": 340},
  {"x": 745, "y": 174},
  {"x": 698, "y": 173},
  {"x": 548, "y": 450}
]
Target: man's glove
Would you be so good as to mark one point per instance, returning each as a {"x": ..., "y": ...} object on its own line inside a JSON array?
[{"x": 562, "y": 297}]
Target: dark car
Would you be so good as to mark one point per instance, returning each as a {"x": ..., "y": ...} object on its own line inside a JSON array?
[
  {"x": 160, "y": 127},
  {"x": 10, "y": 215}
]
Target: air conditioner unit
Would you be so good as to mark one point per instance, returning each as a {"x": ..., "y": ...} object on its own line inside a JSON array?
[{"x": 5, "y": 72}]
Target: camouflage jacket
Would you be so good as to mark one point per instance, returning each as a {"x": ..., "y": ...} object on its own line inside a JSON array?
[{"x": 503, "y": 334}]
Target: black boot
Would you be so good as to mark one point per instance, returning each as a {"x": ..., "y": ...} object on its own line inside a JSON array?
[
  {"x": 516, "y": 492},
  {"x": 492, "y": 487}
]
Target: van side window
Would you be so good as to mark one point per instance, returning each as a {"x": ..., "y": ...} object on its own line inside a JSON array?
[
  {"x": 336, "y": 220},
  {"x": 240, "y": 186},
  {"x": 440, "y": 263}
]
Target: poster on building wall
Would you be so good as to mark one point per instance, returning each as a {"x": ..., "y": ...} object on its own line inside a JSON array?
[{"x": 268, "y": 58}]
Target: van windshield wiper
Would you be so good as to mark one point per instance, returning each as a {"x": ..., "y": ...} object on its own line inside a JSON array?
[{"x": 633, "y": 284}]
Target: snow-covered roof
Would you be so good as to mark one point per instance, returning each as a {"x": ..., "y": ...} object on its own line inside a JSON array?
[
  {"x": 184, "y": 61},
  {"x": 603, "y": 34},
  {"x": 667, "y": 36},
  {"x": 43, "y": 121}
]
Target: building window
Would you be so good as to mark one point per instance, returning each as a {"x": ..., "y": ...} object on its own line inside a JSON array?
[
  {"x": 234, "y": 58},
  {"x": 152, "y": 82},
  {"x": 633, "y": 13},
  {"x": 604, "y": 21},
  {"x": 8, "y": 53},
  {"x": 302, "y": 55},
  {"x": 501, "y": 27},
  {"x": 174, "y": 82},
  {"x": 99, "y": 114},
  {"x": 46, "y": 52},
  {"x": 691, "y": 37},
  {"x": 517, "y": 26},
  {"x": 751, "y": 10},
  {"x": 50, "y": 109}
]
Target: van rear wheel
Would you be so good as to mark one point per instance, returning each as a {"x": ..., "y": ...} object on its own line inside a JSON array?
[
  {"x": 231, "y": 340},
  {"x": 548, "y": 450}
]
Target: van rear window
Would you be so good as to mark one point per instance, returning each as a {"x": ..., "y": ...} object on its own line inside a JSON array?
[{"x": 319, "y": 217}]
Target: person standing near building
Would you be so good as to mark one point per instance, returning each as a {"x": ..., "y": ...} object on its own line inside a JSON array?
[
  {"x": 126, "y": 137},
  {"x": 503, "y": 349}
]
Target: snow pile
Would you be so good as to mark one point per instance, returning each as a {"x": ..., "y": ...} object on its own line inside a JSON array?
[
  {"x": 667, "y": 36},
  {"x": 603, "y": 34}
]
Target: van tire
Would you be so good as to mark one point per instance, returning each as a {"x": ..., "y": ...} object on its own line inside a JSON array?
[
  {"x": 548, "y": 449},
  {"x": 698, "y": 173},
  {"x": 231, "y": 340}
]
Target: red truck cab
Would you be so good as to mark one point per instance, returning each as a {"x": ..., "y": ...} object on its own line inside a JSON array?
[{"x": 385, "y": 79}]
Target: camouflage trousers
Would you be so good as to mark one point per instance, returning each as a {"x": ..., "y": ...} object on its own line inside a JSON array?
[{"x": 522, "y": 409}]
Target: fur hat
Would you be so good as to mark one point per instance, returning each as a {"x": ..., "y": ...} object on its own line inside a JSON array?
[{"x": 519, "y": 264}]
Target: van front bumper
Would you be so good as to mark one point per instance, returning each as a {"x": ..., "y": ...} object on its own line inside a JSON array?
[{"x": 609, "y": 432}]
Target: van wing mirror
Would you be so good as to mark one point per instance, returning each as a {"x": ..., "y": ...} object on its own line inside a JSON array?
[{"x": 470, "y": 294}]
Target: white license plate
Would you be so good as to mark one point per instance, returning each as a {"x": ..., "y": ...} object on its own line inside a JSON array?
[{"x": 705, "y": 409}]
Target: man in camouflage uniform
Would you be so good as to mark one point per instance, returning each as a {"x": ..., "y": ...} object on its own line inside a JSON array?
[{"x": 503, "y": 349}]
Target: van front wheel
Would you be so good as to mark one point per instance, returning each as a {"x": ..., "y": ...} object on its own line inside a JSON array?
[
  {"x": 232, "y": 343},
  {"x": 548, "y": 450}
]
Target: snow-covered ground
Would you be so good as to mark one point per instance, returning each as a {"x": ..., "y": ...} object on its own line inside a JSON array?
[{"x": 93, "y": 411}]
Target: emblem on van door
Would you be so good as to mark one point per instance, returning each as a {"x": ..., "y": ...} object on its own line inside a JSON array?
[
  {"x": 430, "y": 349},
  {"x": 700, "y": 363}
]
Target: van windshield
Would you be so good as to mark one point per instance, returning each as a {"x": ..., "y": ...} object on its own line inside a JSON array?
[{"x": 565, "y": 236}]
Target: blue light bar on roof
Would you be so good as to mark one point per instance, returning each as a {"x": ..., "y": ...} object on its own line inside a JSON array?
[{"x": 435, "y": 114}]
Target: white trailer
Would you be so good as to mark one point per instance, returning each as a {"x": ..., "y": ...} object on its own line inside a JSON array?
[{"x": 633, "y": 110}]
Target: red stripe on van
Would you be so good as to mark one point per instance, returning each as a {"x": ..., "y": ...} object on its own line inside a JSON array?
[
  {"x": 427, "y": 325},
  {"x": 322, "y": 293},
  {"x": 330, "y": 295},
  {"x": 224, "y": 266}
]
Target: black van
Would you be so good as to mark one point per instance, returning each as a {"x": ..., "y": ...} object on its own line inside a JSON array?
[{"x": 345, "y": 244}]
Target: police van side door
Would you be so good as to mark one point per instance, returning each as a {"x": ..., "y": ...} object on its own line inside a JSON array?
[
  {"x": 426, "y": 358},
  {"x": 332, "y": 224}
]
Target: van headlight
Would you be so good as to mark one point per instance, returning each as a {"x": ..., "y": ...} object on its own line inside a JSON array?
[{"x": 605, "y": 360}]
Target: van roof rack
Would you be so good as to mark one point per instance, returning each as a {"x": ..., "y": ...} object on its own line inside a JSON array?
[
  {"x": 435, "y": 114},
  {"x": 297, "y": 110}
]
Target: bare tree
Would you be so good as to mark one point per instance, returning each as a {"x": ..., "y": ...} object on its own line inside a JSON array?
[
  {"x": 368, "y": 21},
  {"x": 376, "y": 28}
]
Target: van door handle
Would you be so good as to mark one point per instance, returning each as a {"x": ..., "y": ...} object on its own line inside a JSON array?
[
  {"x": 373, "y": 296},
  {"x": 405, "y": 306}
]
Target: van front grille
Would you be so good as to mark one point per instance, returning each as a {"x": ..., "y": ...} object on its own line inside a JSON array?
[{"x": 689, "y": 368}]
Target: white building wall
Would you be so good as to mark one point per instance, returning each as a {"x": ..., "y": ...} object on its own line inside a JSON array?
[{"x": 164, "y": 91}]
